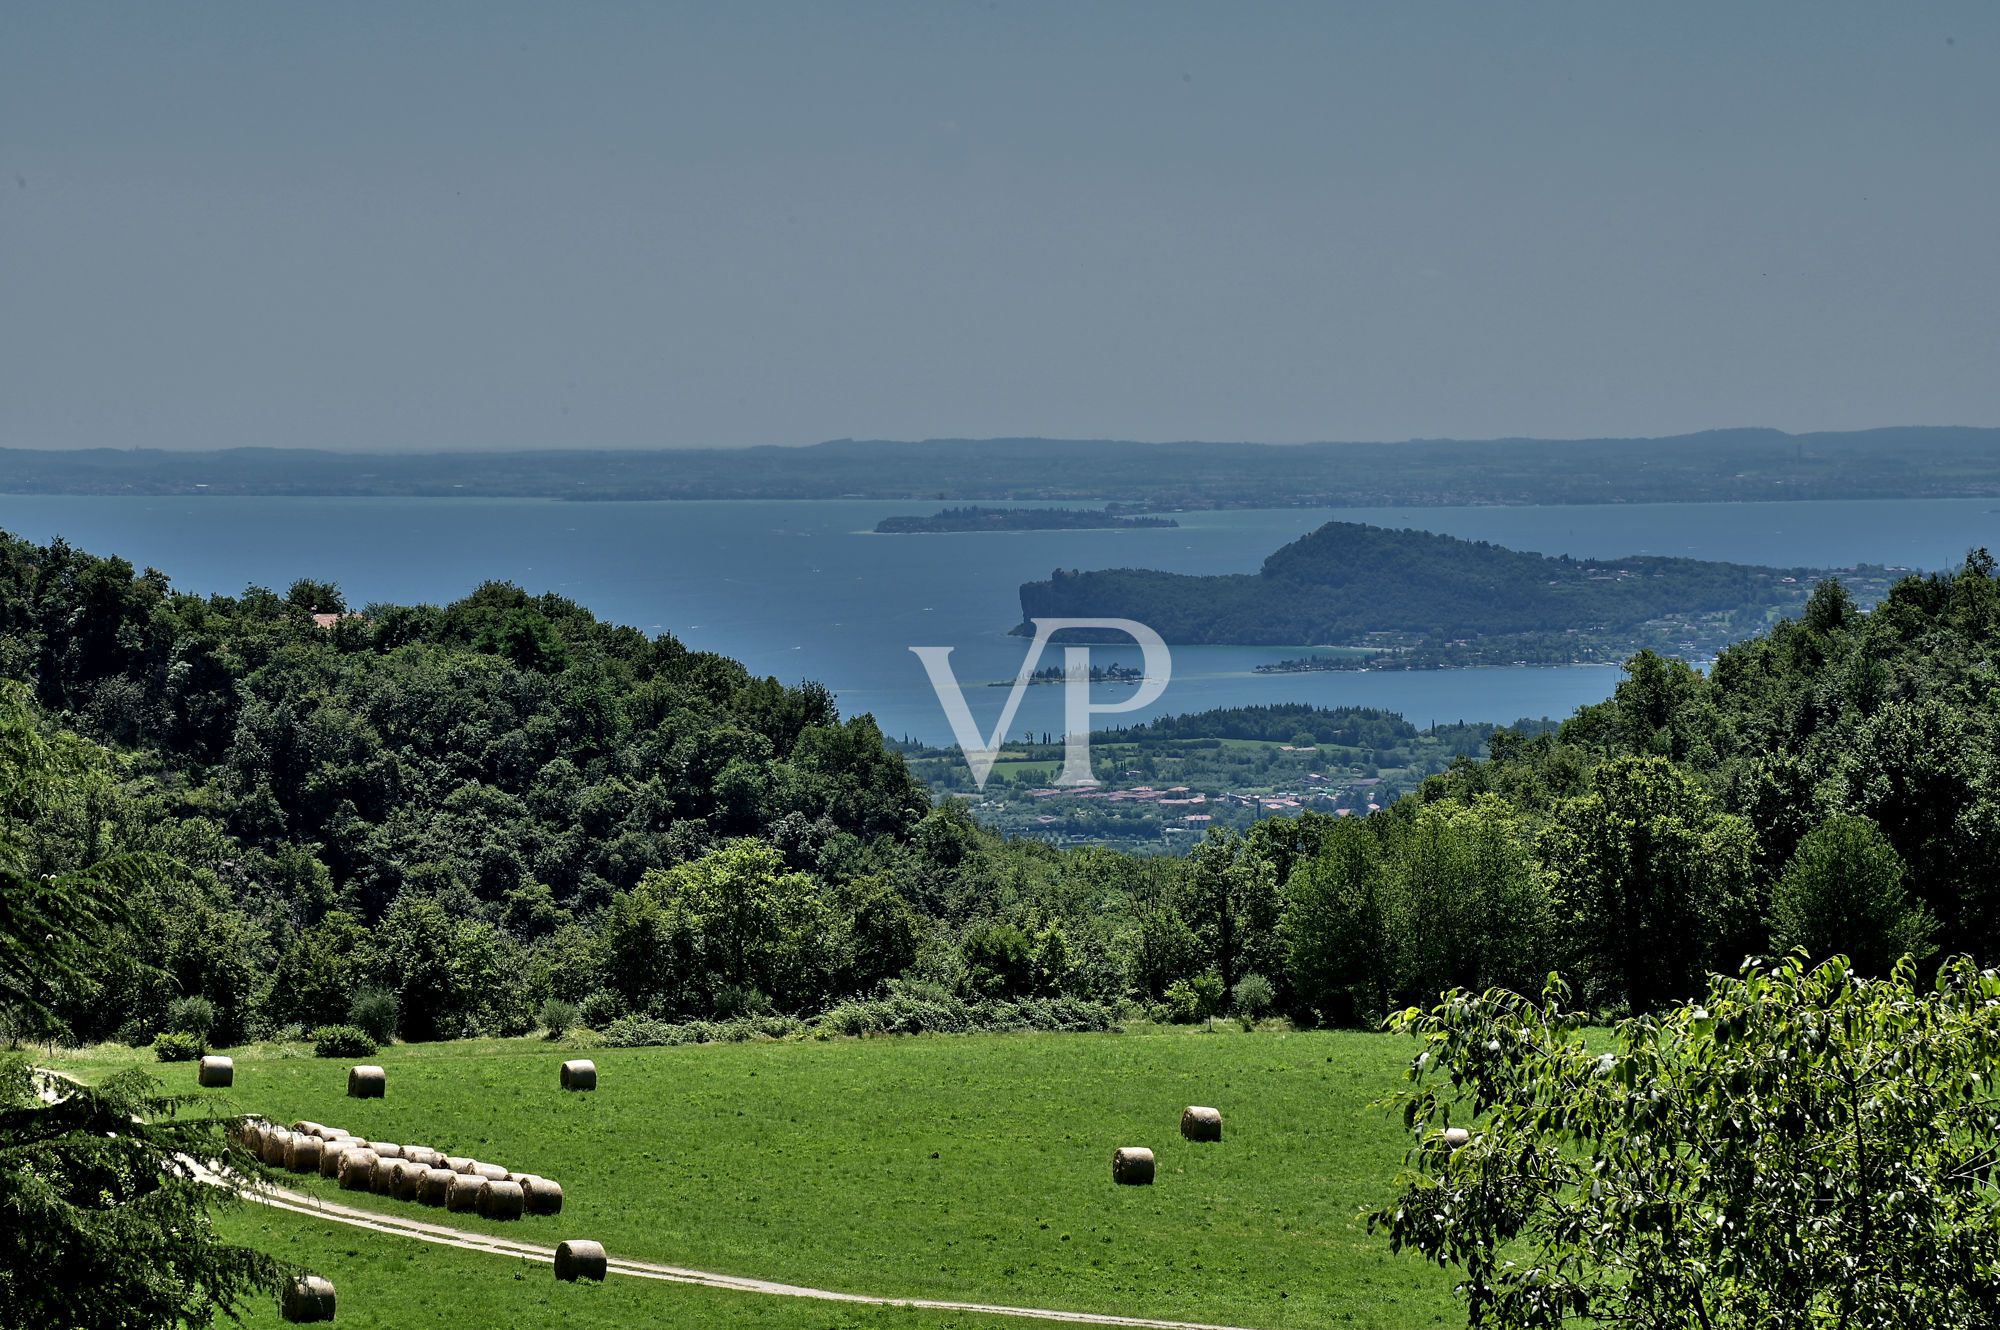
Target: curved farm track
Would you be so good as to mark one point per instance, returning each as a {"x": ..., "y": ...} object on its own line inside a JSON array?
[{"x": 297, "y": 1203}]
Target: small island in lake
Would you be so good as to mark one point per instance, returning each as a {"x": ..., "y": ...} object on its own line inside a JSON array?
[
  {"x": 1015, "y": 519},
  {"x": 1113, "y": 673}
]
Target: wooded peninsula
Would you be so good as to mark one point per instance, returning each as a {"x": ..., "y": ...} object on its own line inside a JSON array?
[
  {"x": 1422, "y": 600},
  {"x": 1016, "y": 519}
]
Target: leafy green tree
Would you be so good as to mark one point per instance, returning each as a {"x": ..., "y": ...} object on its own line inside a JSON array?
[
  {"x": 104, "y": 1218},
  {"x": 649, "y": 953},
  {"x": 59, "y": 903},
  {"x": 1804, "y": 1149},
  {"x": 1653, "y": 883},
  {"x": 1915, "y": 770},
  {"x": 755, "y": 923},
  {"x": 1843, "y": 891},
  {"x": 314, "y": 980},
  {"x": 103, "y": 1221},
  {"x": 1467, "y": 902},
  {"x": 449, "y": 976},
  {"x": 1230, "y": 898},
  {"x": 528, "y": 640},
  {"x": 999, "y": 960},
  {"x": 1335, "y": 928},
  {"x": 1167, "y": 949},
  {"x": 883, "y": 937}
]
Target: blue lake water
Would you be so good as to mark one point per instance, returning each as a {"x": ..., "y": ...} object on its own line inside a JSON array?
[{"x": 805, "y": 590}]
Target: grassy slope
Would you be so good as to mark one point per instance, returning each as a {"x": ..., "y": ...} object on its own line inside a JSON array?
[
  {"x": 390, "y": 1283},
  {"x": 972, "y": 1168}
]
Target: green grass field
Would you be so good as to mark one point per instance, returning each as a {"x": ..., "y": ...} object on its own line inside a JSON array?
[{"x": 971, "y": 1168}]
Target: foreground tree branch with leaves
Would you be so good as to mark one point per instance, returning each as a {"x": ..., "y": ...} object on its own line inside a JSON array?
[
  {"x": 1806, "y": 1148},
  {"x": 104, "y": 1215},
  {"x": 104, "y": 1211}
]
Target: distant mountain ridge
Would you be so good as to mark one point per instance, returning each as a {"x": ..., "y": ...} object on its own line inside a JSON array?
[
  {"x": 1737, "y": 464},
  {"x": 1346, "y": 581}
]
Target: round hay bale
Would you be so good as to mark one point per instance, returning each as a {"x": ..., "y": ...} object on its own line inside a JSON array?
[
  {"x": 302, "y": 1154},
  {"x": 215, "y": 1072},
  {"x": 308, "y": 1298},
  {"x": 1132, "y": 1166},
  {"x": 579, "y": 1074},
  {"x": 330, "y": 1157},
  {"x": 459, "y": 1163},
  {"x": 250, "y": 1135},
  {"x": 273, "y": 1151},
  {"x": 422, "y": 1154},
  {"x": 544, "y": 1195},
  {"x": 357, "y": 1169},
  {"x": 387, "y": 1149},
  {"x": 1456, "y": 1136},
  {"x": 309, "y": 1128},
  {"x": 367, "y": 1082},
  {"x": 1201, "y": 1124},
  {"x": 382, "y": 1177},
  {"x": 580, "y": 1260},
  {"x": 491, "y": 1172},
  {"x": 462, "y": 1193},
  {"x": 406, "y": 1180},
  {"x": 436, "y": 1183},
  {"x": 501, "y": 1200}
]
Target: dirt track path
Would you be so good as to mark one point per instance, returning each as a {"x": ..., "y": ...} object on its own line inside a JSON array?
[{"x": 280, "y": 1199}]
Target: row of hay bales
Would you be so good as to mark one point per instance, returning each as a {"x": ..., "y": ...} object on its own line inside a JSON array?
[
  {"x": 403, "y": 1172},
  {"x": 372, "y": 1082},
  {"x": 1133, "y": 1165}
]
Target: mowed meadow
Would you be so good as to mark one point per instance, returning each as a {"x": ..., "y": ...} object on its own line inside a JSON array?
[{"x": 968, "y": 1168}]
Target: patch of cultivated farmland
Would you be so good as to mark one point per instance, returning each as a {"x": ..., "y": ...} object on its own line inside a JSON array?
[{"x": 973, "y": 1168}]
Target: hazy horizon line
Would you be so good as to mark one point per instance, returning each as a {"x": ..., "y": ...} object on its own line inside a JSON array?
[{"x": 944, "y": 440}]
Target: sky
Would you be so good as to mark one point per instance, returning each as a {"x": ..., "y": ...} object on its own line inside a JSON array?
[{"x": 410, "y": 227}]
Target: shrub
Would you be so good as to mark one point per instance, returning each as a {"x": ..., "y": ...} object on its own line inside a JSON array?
[
  {"x": 1190, "y": 1000},
  {"x": 999, "y": 960},
  {"x": 558, "y": 1017},
  {"x": 342, "y": 1041},
  {"x": 732, "y": 1002},
  {"x": 642, "y": 1032},
  {"x": 179, "y": 1046},
  {"x": 1253, "y": 995},
  {"x": 914, "y": 1008},
  {"x": 191, "y": 1015},
  {"x": 375, "y": 1011},
  {"x": 598, "y": 1009}
]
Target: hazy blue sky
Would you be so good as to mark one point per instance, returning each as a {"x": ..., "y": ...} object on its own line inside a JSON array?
[{"x": 413, "y": 226}]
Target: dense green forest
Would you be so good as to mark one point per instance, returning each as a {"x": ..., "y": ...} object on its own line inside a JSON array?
[
  {"x": 441, "y": 820},
  {"x": 1350, "y": 583},
  {"x": 1717, "y": 466}
]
